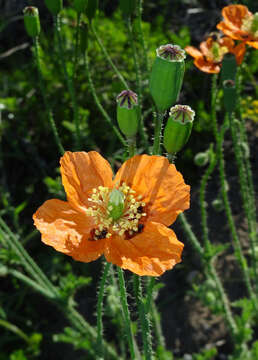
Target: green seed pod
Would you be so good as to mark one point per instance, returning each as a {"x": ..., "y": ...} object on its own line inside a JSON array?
[
  {"x": 31, "y": 21},
  {"x": 229, "y": 95},
  {"x": 229, "y": 67},
  {"x": 201, "y": 159},
  {"x": 80, "y": 5},
  {"x": 178, "y": 128},
  {"x": 167, "y": 76},
  {"x": 84, "y": 36},
  {"x": 91, "y": 9},
  {"x": 127, "y": 6},
  {"x": 128, "y": 113},
  {"x": 116, "y": 204},
  {"x": 54, "y": 6}
]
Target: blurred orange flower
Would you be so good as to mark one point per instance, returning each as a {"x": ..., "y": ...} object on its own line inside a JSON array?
[
  {"x": 240, "y": 24},
  {"x": 209, "y": 57},
  {"x": 124, "y": 218}
]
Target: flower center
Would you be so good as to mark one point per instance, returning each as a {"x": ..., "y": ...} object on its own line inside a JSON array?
[
  {"x": 115, "y": 211},
  {"x": 250, "y": 24},
  {"x": 217, "y": 51}
]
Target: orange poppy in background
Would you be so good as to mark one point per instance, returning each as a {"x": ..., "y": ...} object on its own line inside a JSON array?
[
  {"x": 209, "y": 57},
  {"x": 240, "y": 24},
  {"x": 124, "y": 218}
]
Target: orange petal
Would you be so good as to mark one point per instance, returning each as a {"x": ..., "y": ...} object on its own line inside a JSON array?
[
  {"x": 192, "y": 51},
  {"x": 206, "y": 66},
  {"x": 228, "y": 42},
  {"x": 205, "y": 46},
  {"x": 235, "y": 34},
  {"x": 239, "y": 52},
  {"x": 254, "y": 44},
  {"x": 234, "y": 14},
  {"x": 150, "y": 253},
  {"x": 162, "y": 187},
  {"x": 81, "y": 172},
  {"x": 67, "y": 230}
]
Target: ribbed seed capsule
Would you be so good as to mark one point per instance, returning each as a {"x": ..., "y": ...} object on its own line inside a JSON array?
[
  {"x": 178, "y": 128},
  {"x": 54, "y": 6},
  {"x": 167, "y": 76},
  {"x": 31, "y": 21},
  {"x": 80, "y": 5},
  {"x": 128, "y": 113},
  {"x": 229, "y": 67}
]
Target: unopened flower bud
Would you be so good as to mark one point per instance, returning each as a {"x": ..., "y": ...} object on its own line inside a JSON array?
[
  {"x": 167, "y": 76},
  {"x": 127, "y": 6},
  {"x": 201, "y": 159},
  {"x": 80, "y": 5},
  {"x": 128, "y": 113},
  {"x": 217, "y": 204},
  {"x": 54, "y": 6},
  {"x": 116, "y": 204},
  {"x": 31, "y": 21},
  {"x": 92, "y": 8},
  {"x": 178, "y": 128}
]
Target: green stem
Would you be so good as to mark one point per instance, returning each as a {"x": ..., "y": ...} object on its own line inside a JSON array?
[
  {"x": 149, "y": 297},
  {"x": 13, "y": 328},
  {"x": 128, "y": 326},
  {"x": 27, "y": 261},
  {"x": 141, "y": 36},
  {"x": 158, "y": 119},
  {"x": 100, "y": 309},
  {"x": 245, "y": 192},
  {"x": 76, "y": 44},
  {"x": 69, "y": 81},
  {"x": 138, "y": 80},
  {"x": 157, "y": 327},
  {"x": 203, "y": 204},
  {"x": 108, "y": 58},
  {"x": 131, "y": 146},
  {"x": 145, "y": 324},
  {"x": 98, "y": 103},
  {"x": 190, "y": 234},
  {"x": 45, "y": 100},
  {"x": 219, "y": 142},
  {"x": 31, "y": 283}
]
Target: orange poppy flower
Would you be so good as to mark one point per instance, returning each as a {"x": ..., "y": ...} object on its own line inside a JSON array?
[
  {"x": 124, "y": 218},
  {"x": 240, "y": 24},
  {"x": 209, "y": 57}
]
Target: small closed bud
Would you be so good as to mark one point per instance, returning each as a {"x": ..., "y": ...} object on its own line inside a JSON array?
[
  {"x": 80, "y": 5},
  {"x": 167, "y": 76},
  {"x": 178, "y": 128},
  {"x": 31, "y": 21},
  {"x": 84, "y": 36},
  {"x": 217, "y": 204},
  {"x": 116, "y": 204},
  {"x": 127, "y": 6},
  {"x": 92, "y": 8},
  {"x": 128, "y": 112},
  {"x": 229, "y": 95},
  {"x": 54, "y": 6},
  {"x": 201, "y": 159}
]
